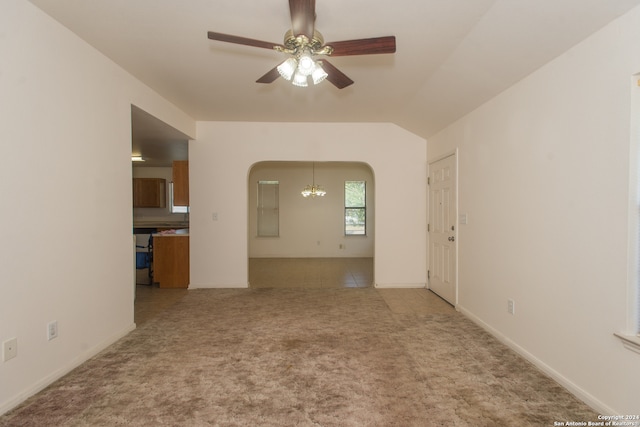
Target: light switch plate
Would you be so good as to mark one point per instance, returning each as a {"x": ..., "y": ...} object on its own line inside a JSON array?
[{"x": 52, "y": 330}]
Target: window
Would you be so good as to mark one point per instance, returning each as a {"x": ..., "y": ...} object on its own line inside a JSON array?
[
  {"x": 174, "y": 208},
  {"x": 355, "y": 208},
  {"x": 268, "y": 209},
  {"x": 635, "y": 194},
  {"x": 630, "y": 337},
  {"x": 636, "y": 238}
]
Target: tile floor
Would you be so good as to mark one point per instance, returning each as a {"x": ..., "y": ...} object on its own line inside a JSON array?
[
  {"x": 310, "y": 272},
  {"x": 303, "y": 273}
]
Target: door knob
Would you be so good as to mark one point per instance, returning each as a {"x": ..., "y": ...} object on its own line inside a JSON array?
[{"x": 452, "y": 239}]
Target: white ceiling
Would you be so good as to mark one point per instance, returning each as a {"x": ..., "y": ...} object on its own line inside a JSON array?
[
  {"x": 452, "y": 55},
  {"x": 154, "y": 140}
]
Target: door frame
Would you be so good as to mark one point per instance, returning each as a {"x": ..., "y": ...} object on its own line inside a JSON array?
[{"x": 455, "y": 154}]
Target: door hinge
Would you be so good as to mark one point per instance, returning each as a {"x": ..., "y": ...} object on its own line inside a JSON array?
[
  {"x": 428, "y": 228},
  {"x": 428, "y": 274},
  {"x": 429, "y": 180}
]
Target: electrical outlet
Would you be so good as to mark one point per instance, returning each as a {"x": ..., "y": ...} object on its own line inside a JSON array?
[
  {"x": 52, "y": 330},
  {"x": 9, "y": 349},
  {"x": 511, "y": 306}
]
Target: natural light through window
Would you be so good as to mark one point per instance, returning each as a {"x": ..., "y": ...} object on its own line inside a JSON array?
[
  {"x": 630, "y": 336},
  {"x": 268, "y": 209},
  {"x": 635, "y": 186},
  {"x": 355, "y": 208},
  {"x": 174, "y": 208}
]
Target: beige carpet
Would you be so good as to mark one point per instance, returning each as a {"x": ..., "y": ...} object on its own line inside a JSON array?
[{"x": 295, "y": 357}]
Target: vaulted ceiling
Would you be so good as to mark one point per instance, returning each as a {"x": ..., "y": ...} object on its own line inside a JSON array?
[{"x": 452, "y": 55}]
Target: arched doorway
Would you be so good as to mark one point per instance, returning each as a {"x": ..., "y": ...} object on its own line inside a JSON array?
[{"x": 295, "y": 241}]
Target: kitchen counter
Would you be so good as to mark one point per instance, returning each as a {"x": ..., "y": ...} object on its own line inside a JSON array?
[
  {"x": 161, "y": 224},
  {"x": 149, "y": 227}
]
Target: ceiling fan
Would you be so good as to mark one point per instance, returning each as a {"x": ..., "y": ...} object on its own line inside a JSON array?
[{"x": 303, "y": 43}]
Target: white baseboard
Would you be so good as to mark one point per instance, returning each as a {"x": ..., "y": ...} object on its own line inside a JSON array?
[
  {"x": 400, "y": 285},
  {"x": 581, "y": 394},
  {"x": 56, "y": 375}
]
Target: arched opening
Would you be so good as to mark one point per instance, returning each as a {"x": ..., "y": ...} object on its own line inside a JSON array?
[{"x": 310, "y": 242}]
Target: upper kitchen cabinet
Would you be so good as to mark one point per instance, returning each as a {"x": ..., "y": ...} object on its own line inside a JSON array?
[
  {"x": 181, "y": 183},
  {"x": 149, "y": 193}
]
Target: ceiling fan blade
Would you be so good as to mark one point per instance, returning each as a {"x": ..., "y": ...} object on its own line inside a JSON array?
[
  {"x": 241, "y": 40},
  {"x": 303, "y": 17},
  {"x": 270, "y": 77},
  {"x": 372, "y": 46},
  {"x": 335, "y": 76}
]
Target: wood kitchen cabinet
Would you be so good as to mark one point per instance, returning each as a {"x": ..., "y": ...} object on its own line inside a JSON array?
[
  {"x": 149, "y": 192},
  {"x": 171, "y": 260},
  {"x": 181, "y": 183}
]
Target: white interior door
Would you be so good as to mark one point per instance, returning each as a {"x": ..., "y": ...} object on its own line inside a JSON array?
[{"x": 442, "y": 228}]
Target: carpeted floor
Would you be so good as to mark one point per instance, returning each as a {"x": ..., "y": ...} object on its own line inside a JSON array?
[{"x": 302, "y": 357}]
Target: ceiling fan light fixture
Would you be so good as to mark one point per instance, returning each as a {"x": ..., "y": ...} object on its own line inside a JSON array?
[
  {"x": 304, "y": 43},
  {"x": 318, "y": 74},
  {"x": 306, "y": 64},
  {"x": 300, "y": 80},
  {"x": 287, "y": 68}
]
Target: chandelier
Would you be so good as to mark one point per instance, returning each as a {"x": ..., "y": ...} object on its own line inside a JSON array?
[
  {"x": 300, "y": 66},
  {"x": 313, "y": 190}
]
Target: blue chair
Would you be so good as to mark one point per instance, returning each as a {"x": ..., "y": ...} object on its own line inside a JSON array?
[{"x": 145, "y": 259}]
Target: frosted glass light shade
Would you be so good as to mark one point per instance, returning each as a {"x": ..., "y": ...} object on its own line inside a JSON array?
[
  {"x": 306, "y": 65},
  {"x": 318, "y": 74},
  {"x": 300, "y": 80},
  {"x": 297, "y": 68},
  {"x": 287, "y": 68}
]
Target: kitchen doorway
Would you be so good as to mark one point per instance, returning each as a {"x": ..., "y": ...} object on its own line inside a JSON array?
[{"x": 157, "y": 146}]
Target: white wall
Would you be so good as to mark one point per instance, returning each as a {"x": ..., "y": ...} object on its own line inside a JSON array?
[
  {"x": 223, "y": 154},
  {"x": 311, "y": 227},
  {"x": 543, "y": 178},
  {"x": 65, "y": 182}
]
